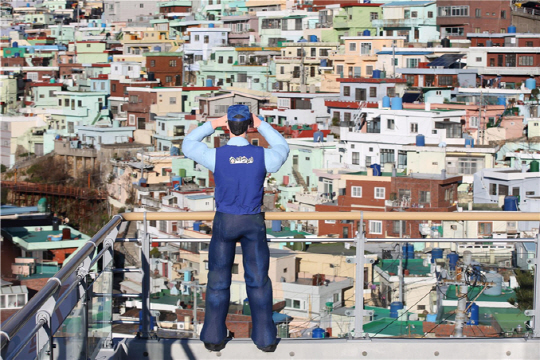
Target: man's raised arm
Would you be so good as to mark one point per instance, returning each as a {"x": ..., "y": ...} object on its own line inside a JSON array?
[
  {"x": 277, "y": 154},
  {"x": 196, "y": 150}
]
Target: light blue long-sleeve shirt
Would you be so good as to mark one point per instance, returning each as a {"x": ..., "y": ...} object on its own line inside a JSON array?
[{"x": 197, "y": 151}]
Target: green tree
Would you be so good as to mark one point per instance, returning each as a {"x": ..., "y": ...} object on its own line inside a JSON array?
[{"x": 525, "y": 292}]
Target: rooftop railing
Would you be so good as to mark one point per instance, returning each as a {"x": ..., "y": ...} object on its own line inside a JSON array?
[{"x": 72, "y": 315}]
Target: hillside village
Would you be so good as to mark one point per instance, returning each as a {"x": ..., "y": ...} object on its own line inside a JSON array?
[{"x": 388, "y": 106}]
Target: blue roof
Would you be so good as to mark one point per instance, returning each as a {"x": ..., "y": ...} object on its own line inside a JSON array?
[
  {"x": 413, "y": 52},
  {"x": 409, "y": 3},
  {"x": 198, "y": 197},
  {"x": 14, "y": 210}
]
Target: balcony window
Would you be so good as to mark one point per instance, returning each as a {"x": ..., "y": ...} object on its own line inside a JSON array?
[
  {"x": 425, "y": 197},
  {"x": 526, "y": 60},
  {"x": 373, "y": 16},
  {"x": 391, "y": 92},
  {"x": 452, "y": 11},
  {"x": 356, "y": 191},
  {"x": 395, "y": 226},
  {"x": 402, "y": 159},
  {"x": 374, "y": 126},
  {"x": 356, "y": 158},
  {"x": 484, "y": 228},
  {"x": 446, "y": 80},
  {"x": 387, "y": 156},
  {"x": 375, "y": 227},
  {"x": 404, "y": 195},
  {"x": 360, "y": 94},
  {"x": 365, "y": 49},
  {"x": 339, "y": 70},
  {"x": 380, "y": 193},
  {"x": 469, "y": 166}
]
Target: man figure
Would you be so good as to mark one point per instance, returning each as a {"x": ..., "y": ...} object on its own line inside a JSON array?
[{"x": 239, "y": 172}]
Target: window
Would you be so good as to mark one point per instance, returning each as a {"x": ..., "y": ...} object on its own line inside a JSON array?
[
  {"x": 445, "y": 80},
  {"x": 395, "y": 226},
  {"x": 365, "y": 49},
  {"x": 526, "y": 61},
  {"x": 452, "y": 11},
  {"x": 529, "y": 44},
  {"x": 425, "y": 197},
  {"x": 172, "y": 101},
  {"x": 235, "y": 269},
  {"x": 412, "y": 63},
  {"x": 220, "y": 60},
  {"x": 141, "y": 6},
  {"x": 414, "y": 14},
  {"x": 347, "y": 116},
  {"x": 197, "y": 37},
  {"x": 346, "y": 91},
  {"x": 356, "y": 158},
  {"x": 356, "y": 191},
  {"x": 373, "y": 91},
  {"x": 515, "y": 191},
  {"x": 391, "y": 92},
  {"x": 380, "y": 193},
  {"x": 206, "y": 39},
  {"x": 172, "y": 63},
  {"x": 339, "y": 70},
  {"x": 352, "y": 47},
  {"x": 404, "y": 195},
  {"x": 492, "y": 189},
  {"x": 375, "y": 227},
  {"x": 484, "y": 228},
  {"x": 473, "y": 121},
  {"x": 402, "y": 159},
  {"x": 454, "y": 31},
  {"x": 373, "y": 16},
  {"x": 503, "y": 14},
  {"x": 230, "y": 60},
  {"x": 360, "y": 94},
  {"x": 369, "y": 70},
  {"x": 168, "y": 79},
  {"x": 469, "y": 166},
  {"x": 390, "y": 124},
  {"x": 449, "y": 194},
  {"x": 503, "y": 189},
  {"x": 430, "y": 14},
  {"x": 414, "y": 128},
  {"x": 387, "y": 156},
  {"x": 478, "y": 13}
]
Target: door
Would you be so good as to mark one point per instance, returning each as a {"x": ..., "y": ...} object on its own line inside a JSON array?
[
  {"x": 38, "y": 149},
  {"x": 295, "y": 162},
  {"x": 141, "y": 123},
  {"x": 346, "y": 232}
]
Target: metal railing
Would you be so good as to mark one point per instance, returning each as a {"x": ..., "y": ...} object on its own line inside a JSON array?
[{"x": 29, "y": 333}]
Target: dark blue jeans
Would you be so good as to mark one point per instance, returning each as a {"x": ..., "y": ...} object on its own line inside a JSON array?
[{"x": 250, "y": 231}]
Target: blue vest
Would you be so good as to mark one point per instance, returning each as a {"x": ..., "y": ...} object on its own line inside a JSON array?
[{"x": 239, "y": 175}]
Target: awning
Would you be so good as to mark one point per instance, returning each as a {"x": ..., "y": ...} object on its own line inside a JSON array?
[
  {"x": 446, "y": 60},
  {"x": 411, "y": 97}
]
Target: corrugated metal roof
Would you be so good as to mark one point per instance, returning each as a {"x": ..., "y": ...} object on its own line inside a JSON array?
[
  {"x": 409, "y": 3},
  {"x": 413, "y": 52}
]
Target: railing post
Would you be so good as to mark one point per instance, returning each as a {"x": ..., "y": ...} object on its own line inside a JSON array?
[
  {"x": 359, "y": 289},
  {"x": 145, "y": 266}
]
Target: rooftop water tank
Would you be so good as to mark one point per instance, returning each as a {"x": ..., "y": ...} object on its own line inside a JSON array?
[
  {"x": 211, "y": 26},
  {"x": 496, "y": 279},
  {"x": 366, "y": 33},
  {"x": 376, "y": 74},
  {"x": 431, "y": 318},
  {"x": 182, "y": 173},
  {"x": 157, "y": 48},
  {"x": 386, "y": 102},
  {"x": 534, "y": 166},
  {"x": 103, "y": 25},
  {"x": 312, "y": 38},
  {"x": 209, "y": 83},
  {"x": 246, "y": 310},
  {"x": 405, "y": 254},
  {"x": 511, "y": 203},
  {"x": 276, "y": 225},
  {"x": 55, "y": 224},
  {"x": 410, "y": 251},
  {"x": 394, "y": 307},
  {"x": 52, "y": 81},
  {"x": 15, "y": 44},
  {"x": 187, "y": 275},
  {"x": 197, "y": 226},
  {"x": 323, "y": 63},
  {"x": 436, "y": 253},
  {"x": 318, "y": 136},
  {"x": 396, "y": 103},
  {"x": 469, "y": 142},
  {"x": 452, "y": 260},
  {"x": 317, "y": 333},
  {"x": 530, "y": 83},
  {"x": 474, "y": 311},
  {"x": 501, "y": 100},
  {"x": 420, "y": 140},
  {"x": 42, "y": 205},
  {"x": 176, "y": 182},
  {"x": 512, "y": 29},
  {"x": 376, "y": 169}
]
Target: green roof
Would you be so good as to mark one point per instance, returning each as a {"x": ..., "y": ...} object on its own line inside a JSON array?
[
  {"x": 415, "y": 266},
  {"x": 393, "y": 327},
  {"x": 508, "y": 318},
  {"x": 31, "y": 239},
  {"x": 473, "y": 292},
  {"x": 286, "y": 232}
]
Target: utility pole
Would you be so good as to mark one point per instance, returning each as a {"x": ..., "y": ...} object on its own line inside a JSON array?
[
  {"x": 195, "y": 288},
  {"x": 461, "y": 311},
  {"x": 142, "y": 163},
  {"x": 394, "y": 58},
  {"x": 400, "y": 268}
]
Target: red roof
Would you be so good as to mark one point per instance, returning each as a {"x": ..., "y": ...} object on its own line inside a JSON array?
[
  {"x": 101, "y": 65},
  {"x": 349, "y": 104},
  {"x": 371, "y": 80},
  {"x": 358, "y": 5},
  {"x": 45, "y": 84}
]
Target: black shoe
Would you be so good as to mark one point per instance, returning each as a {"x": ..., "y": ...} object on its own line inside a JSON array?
[
  {"x": 269, "y": 348},
  {"x": 215, "y": 347}
]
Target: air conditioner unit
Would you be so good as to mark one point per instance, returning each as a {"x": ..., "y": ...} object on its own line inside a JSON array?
[{"x": 180, "y": 326}]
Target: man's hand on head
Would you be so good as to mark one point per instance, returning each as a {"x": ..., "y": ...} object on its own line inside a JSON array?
[
  {"x": 219, "y": 122},
  {"x": 256, "y": 121}
]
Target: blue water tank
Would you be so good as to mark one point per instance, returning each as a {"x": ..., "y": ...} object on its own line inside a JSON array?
[
  {"x": 209, "y": 82},
  {"x": 420, "y": 140},
  {"x": 366, "y": 33},
  {"x": 474, "y": 310},
  {"x": 175, "y": 151},
  {"x": 436, "y": 253},
  {"x": 187, "y": 275},
  {"x": 396, "y": 103},
  {"x": 152, "y": 321},
  {"x": 142, "y": 182},
  {"x": 276, "y": 225},
  {"x": 386, "y": 102},
  {"x": 410, "y": 251},
  {"x": 103, "y": 25},
  {"x": 431, "y": 318},
  {"x": 15, "y": 44},
  {"x": 404, "y": 252},
  {"x": 176, "y": 182},
  {"x": 317, "y": 333},
  {"x": 394, "y": 307},
  {"x": 530, "y": 83},
  {"x": 17, "y": 55},
  {"x": 469, "y": 142},
  {"x": 501, "y": 100},
  {"x": 376, "y": 169},
  {"x": 452, "y": 260},
  {"x": 376, "y": 74},
  {"x": 110, "y": 58},
  {"x": 211, "y": 25},
  {"x": 197, "y": 226},
  {"x": 512, "y": 29},
  {"x": 511, "y": 203},
  {"x": 157, "y": 48},
  {"x": 318, "y": 136},
  {"x": 323, "y": 63},
  {"x": 312, "y": 38}
]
